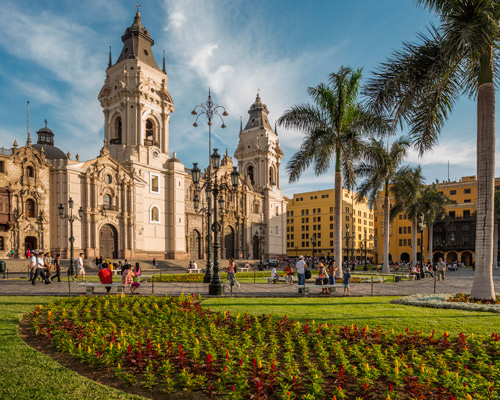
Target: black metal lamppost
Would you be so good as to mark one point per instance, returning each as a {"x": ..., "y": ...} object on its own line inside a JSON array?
[
  {"x": 216, "y": 189},
  {"x": 313, "y": 241},
  {"x": 347, "y": 237},
  {"x": 210, "y": 110},
  {"x": 365, "y": 240},
  {"x": 260, "y": 237},
  {"x": 421, "y": 225},
  {"x": 71, "y": 218}
]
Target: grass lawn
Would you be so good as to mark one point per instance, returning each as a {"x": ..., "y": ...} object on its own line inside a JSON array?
[
  {"x": 27, "y": 374},
  {"x": 371, "y": 311}
]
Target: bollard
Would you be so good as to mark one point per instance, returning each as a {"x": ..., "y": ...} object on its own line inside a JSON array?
[
  {"x": 434, "y": 284},
  {"x": 371, "y": 294},
  {"x": 69, "y": 287},
  {"x": 253, "y": 276},
  {"x": 153, "y": 285}
]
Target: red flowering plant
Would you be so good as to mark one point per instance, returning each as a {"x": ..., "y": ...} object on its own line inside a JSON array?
[
  {"x": 173, "y": 345},
  {"x": 465, "y": 298}
]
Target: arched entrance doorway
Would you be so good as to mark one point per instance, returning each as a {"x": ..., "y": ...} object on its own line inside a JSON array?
[
  {"x": 108, "y": 242},
  {"x": 255, "y": 246},
  {"x": 466, "y": 258},
  {"x": 195, "y": 245},
  {"x": 405, "y": 257},
  {"x": 437, "y": 256},
  {"x": 229, "y": 241},
  {"x": 30, "y": 243},
  {"x": 451, "y": 257}
]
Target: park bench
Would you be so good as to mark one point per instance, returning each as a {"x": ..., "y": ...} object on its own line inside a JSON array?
[
  {"x": 90, "y": 286},
  {"x": 305, "y": 288},
  {"x": 280, "y": 279},
  {"x": 194, "y": 271},
  {"x": 243, "y": 269}
]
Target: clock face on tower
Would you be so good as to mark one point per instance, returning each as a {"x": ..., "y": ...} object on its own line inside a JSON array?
[{"x": 155, "y": 154}]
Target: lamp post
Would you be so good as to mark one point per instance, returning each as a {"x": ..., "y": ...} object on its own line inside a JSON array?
[
  {"x": 210, "y": 110},
  {"x": 313, "y": 241},
  {"x": 347, "y": 236},
  {"x": 296, "y": 251},
  {"x": 365, "y": 240},
  {"x": 215, "y": 188},
  {"x": 260, "y": 237},
  {"x": 421, "y": 225},
  {"x": 71, "y": 218}
]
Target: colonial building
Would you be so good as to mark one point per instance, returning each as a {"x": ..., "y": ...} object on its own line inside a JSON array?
[
  {"x": 136, "y": 196},
  {"x": 311, "y": 226}
]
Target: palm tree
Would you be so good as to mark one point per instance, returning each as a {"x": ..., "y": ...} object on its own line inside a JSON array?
[
  {"x": 433, "y": 204},
  {"x": 378, "y": 167},
  {"x": 333, "y": 128},
  {"x": 407, "y": 187},
  {"x": 420, "y": 84}
]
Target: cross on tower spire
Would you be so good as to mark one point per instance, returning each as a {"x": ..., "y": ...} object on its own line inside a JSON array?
[{"x": 138, "y": 6}]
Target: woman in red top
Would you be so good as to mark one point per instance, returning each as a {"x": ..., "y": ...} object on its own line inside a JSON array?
[{"x": 105, "y": 276}]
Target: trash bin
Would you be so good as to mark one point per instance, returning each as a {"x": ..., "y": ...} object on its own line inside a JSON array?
[
  {"x": 397, "y": 278},
  {"x": 2, "y": 267}
]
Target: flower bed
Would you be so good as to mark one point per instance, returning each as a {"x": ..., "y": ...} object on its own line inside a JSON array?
[
  {"x": 443, "y": 301},
  {"x": 465, "y": 298},
  {"x": 172, "y": 345}
]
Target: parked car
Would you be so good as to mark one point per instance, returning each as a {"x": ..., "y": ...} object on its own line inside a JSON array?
[{"x": 270, "y": 263}]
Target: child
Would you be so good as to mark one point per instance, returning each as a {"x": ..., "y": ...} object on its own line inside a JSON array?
[{"x": 347, "y": 281}]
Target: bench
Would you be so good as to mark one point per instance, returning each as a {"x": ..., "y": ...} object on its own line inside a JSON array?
[
  {"x": 243, "y": 269},
  {"x": 90, "y": 286},
  {"x": 280, "y": 279},
  {"x": 117, "y": 272},
  {"x": 305, "y": 288},
  {"x": 194, "y": 271}
]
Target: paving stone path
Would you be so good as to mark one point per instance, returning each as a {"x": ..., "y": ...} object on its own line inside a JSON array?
[{"x": 456, "y": 282}]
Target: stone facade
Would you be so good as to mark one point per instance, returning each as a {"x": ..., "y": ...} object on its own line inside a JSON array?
[{"x": 136, "y": 199}]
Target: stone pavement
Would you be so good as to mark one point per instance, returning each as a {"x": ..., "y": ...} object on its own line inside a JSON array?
[{"x": 456, "y": 282}]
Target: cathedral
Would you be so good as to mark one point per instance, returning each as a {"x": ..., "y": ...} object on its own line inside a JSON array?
[{"x": 135, "y": 200}]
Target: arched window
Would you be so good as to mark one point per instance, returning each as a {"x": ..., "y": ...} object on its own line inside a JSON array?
[
  {"x": 256, "y": 208},
  {"x": 155, "y": 214},
  {"x": 107, "y": 201},
  {"x": 30, "y": 172},
  {"x": 277, "y": 230},
  {"x": 250, "y": 174},
  {"x": 117, "y": 134},
  {"x": 150, "y": 139},
  {"x": 30, "y": 208},
  {"x": 272, "y": 180}
]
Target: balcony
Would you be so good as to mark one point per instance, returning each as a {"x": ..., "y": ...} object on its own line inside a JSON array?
[
  {"x": 151, "y": 142},
  {"x": 109, "y": 207}
]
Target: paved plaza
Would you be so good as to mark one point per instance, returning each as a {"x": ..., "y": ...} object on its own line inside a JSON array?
[{"x": 456, "y": 282}]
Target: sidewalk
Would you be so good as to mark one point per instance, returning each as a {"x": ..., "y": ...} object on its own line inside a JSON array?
[{"x": 456, "y": 282}]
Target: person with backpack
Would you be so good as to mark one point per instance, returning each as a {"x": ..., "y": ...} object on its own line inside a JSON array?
[{"x": 301, "y": 272}]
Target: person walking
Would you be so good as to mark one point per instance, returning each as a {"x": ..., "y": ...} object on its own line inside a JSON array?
[
  {"x": 332, "y": 269},
  {"x": 40, "y": 268},
  {"x": 441, "y": 269},
  {"x": 106, "y": 276},
  {"x": 57, "y": 268},
  {"x": 300, "y": 266},
  {"x": 347, "y": 282},
  {"x": 80, "y": 270},
  {"x": 136, "y": 279},
  {"x": 231, "y": 275},
  {"x": 323, "y": 274}
]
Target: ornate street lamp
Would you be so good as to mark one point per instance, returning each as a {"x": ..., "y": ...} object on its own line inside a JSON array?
[
  {"x": 260, "y": 237},
  {"x": 71, "y": 218},
  {"x": 421, "y": 225},
  {"x": 365, "y": 268},
  {"x": 210, "y": 110}
]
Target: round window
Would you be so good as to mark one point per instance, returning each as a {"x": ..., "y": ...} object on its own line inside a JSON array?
[{"x": 108, "y": 179}]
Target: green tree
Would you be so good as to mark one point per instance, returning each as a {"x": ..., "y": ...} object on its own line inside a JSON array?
[
  {"x": 420, "y": 84},
  {"x": 407, "y": 187},
  {"x": 433, "y": 204},
  {"x": 333, "y": 127},
  {"x": 378, "y": 167}
]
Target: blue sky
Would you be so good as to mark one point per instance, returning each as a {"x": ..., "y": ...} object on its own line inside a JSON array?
[{"x": 54, "y": 54}]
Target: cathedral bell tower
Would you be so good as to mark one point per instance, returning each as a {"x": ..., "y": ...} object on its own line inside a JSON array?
[
  {"x": 259, "y": 152},
  {"x": 135, "y": 100}
]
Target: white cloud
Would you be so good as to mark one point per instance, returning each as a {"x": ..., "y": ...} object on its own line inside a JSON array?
[{"x": 454, "y": 151}]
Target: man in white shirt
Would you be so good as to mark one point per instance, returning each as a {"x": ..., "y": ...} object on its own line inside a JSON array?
[
  {"x": 40, "y": 268},
  {"x": 79, "y": 268},
  {"x": 274, "y": 274},
  {"x": 301, "y": 272},
  {"x": 194, "y": 266}
]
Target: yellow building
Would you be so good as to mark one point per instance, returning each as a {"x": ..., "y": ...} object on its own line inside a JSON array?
[
  {"x": 310, "y": 216},
  {"x": 453, "y": 239}
]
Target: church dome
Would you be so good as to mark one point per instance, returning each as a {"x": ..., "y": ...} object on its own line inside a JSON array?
[{"x": 46, "y": 142}]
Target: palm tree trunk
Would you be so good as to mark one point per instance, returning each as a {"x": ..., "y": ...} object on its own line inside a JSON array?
[
  {"x": 386, "y": 267},
  {"x": 482, "y": 287},
  {"x": 495, "y": 244},
  {"x": 338, "y": 215},
  {"x": 414, "y": 242},
  {"x": 431, "y": 240}
]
